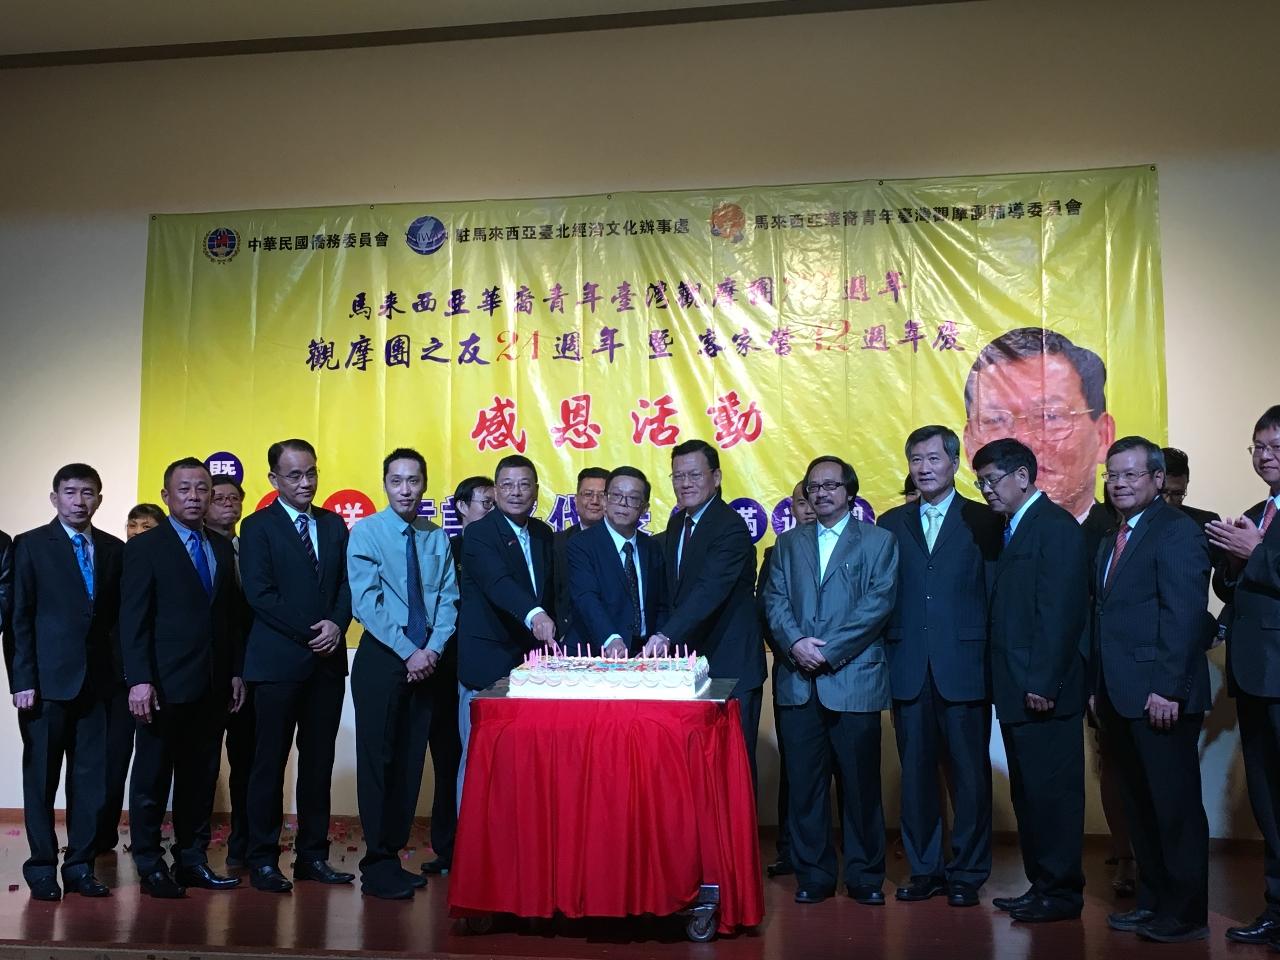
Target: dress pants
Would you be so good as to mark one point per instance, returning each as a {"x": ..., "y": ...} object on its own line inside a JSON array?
[
  {"x": 446, "y": 756},
  {"x": 1160, "y": 785},
  {"x": 393, "y": 722},
  {"x": 1260, "y": 745},
  {"x": 784, "y": 829},
  {"x": 931, "y": 730},
  {"x": 182, "y": 747},
  {"x": 240, "y": 744},
  {"x": 1046, "y": 785},
  {"x": 311, "y": 709},
  {"x": 51, "y": 730},
  {"x": 750, "y": 703},
  {"x": 815, "y": 737},
  {"x": 120, "y": 728}
]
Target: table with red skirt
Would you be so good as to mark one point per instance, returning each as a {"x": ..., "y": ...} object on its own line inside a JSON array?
[{"x": 606, "y": 808}]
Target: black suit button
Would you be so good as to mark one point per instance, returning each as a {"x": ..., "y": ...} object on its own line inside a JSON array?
[
  {"x": 928, "y": 596},
  {"x": 931, "y": 566}
]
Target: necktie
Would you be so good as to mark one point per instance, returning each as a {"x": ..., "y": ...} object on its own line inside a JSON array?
[
  {"x": 1122, "y": 537},
  {"x": 1008, "y": 532},
  {"x": 416, "y": 630},
  {"x": 523, "y": 537},
  {"x": 633, "y": 587},
  {"x": 932, "y": 516},
  {"x": 195, "y": 546},
  {"x": 82, "y": 557},
  {"x": 684, "y": 542},
  {"x": 1268, "y": 515},
  {"x": 304, "y": 532}
]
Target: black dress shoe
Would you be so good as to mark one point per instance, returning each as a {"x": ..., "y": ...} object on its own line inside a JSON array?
[
  {"x": 87, "y": 885},
  {"x": 1173, "y": 931},
  {"x": 1263, "y": 930},
  {"x": 416, "y": 881},
  {"x": 202, "y": 876},
  {"x": 1131, "y": 921},
  {"x": 811, "y": 895},
  {"x": 437, "y": 867},
  {"x": 162, "y": 886},
  {"x": 269, "y": 879},
  {"x": 320, "y": 871},
  {"x": 1009, "y": 904},
  {"x": 961, "y": 894},
  {"x": 921, "y": 888},
  {"x": 45, "y": 888},
  {"x": 867, "y": 895},
  {"x": 782, "y": 867},
  {"x": 387, "y": 891},
  {"x": 1043, "y": 910}
]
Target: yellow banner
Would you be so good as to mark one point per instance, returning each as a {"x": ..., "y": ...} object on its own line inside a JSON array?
[{"x": 777, "y": 323}]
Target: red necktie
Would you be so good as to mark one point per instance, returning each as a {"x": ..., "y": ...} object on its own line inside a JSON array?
[
  {"x": 1268, "y": 515},
  {"x": 1122, "y": 537}
]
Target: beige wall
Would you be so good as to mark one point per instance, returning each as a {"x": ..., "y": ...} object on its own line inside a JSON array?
[{"x": 1004, "y": 85}]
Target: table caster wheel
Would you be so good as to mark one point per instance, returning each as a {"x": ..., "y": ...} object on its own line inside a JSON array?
[{"x": 701, "y": 928}]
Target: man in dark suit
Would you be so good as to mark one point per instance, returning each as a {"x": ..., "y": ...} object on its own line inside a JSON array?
[
  {"x": 589, "y": 505},
  {"x": 1252, "y": 583},
  {"x": 293, "y": 566},
  {"x": 802, "y": 513},
  {"x": 508, "y": 590},
  {"x": 181, "y": 621},
  {"x": 472, "y": 499},
  {"x": 711, "y": 575},
  {"x": 937, "y": 648},
  {"x": 1150, "y": 630},
  {"x": 65, "y": 613},
  {"x": 617, "y": 584},
  {"x": 831, "y": 590},
  {"x": 405, "y": 595},
  {"x": 1039, "y": 605}
]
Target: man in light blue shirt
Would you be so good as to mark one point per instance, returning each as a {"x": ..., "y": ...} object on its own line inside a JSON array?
[{"x": 404, "y": 592}]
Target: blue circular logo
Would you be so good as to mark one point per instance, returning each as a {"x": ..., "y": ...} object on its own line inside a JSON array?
[
  {"x": 221, "y": 244},
  {"x": 783, "y": 517},
  {"x": 753, "y": 515},
  {"x": 426, "y": 235},
  {"x": 225, "y": 464}
]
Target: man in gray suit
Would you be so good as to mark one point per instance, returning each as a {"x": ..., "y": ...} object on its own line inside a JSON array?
[{"x": 829, "y": 596}]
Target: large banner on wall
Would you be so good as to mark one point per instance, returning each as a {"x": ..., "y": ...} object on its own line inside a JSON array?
[{"x": 777, "y": 323}]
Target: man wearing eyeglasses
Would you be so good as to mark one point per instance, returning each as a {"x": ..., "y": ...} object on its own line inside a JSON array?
[
  {"x": 1252, "y": 579},
  {"x": 590, "y": 504},
  {"x": 711, "y": 574},
  {"x": 937, "y": 649},
  {"x": 294, "y": 570},
  {"x": 1038, "y": 610},
  {"x": 508, "y": 590},
  {"x": 830, "y": 593},
  {"x": 617, "y": 583},
  {"x": 226, "y": 503},
  {"x": 1038, "y": 387},
  {"x": 1150, "y": 632}
]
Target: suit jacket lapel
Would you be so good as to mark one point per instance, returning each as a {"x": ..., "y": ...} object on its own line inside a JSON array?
[
  {"x": 952, "y": 522},
  {"x": 286, "y": 526},
  {"x": 1135, "y": 537},
  {"x": 515, "y": 553},
  {"x": 65, "y": 551},
  {"x": 1019, "y": 535},
  {"x": 915, "y": 525},
  {"x": 540, "y": 549},
  {"x": 807, "y": 541},
  {"x": 178, "y": 546},
  {"x": 847, "y": 544}
]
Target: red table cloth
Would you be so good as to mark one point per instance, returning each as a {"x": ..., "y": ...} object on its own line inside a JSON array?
[{"x": 594, "y": 808}]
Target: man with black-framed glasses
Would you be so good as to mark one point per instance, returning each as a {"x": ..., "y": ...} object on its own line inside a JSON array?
[
  {"x": 616, "y": 582},
  {"x": 1252, "y": 582}
]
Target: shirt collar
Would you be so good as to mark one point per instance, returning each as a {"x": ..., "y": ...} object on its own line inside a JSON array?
[
  {"x": 73, "y": 533},
  {"x": 838, "y": 529},
  {"x": 519, "y": 530},
  {"x": 1017, "y": 517},
  {"x": 940, "y": 507},
  {"x": 295, "y": 514},
  {"x": 184, "y": 532},
  {"x": 701, "y": 510},
  {"x": 618, "y": 539}
]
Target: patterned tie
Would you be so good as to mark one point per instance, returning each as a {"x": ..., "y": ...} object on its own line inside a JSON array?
[
  {"x": 684, "y": 543},
  {"x": 195, "y": 546},
  {"x": 1122, "y": 537},
  {"x": 416, "y": 630},
  {"x": 304, "y": 533},
  {"x": 931, "y": 517},
  {"x": 1268, "y": 515},
  {"x": 1008, "y": 532},
  {"x": 86, "y": 565},
  {"x": 633, "y": 586},
  {"x": 523, "y": 537}
]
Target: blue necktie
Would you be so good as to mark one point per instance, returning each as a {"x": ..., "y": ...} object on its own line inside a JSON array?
[
  {"x": 1008, "y": 533},
  {"x": 195, "y": 546},
  {"x": 82, "y": 556},
  {"x": 416, "y": 630},
  {"x": 305, "y": 533}
]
